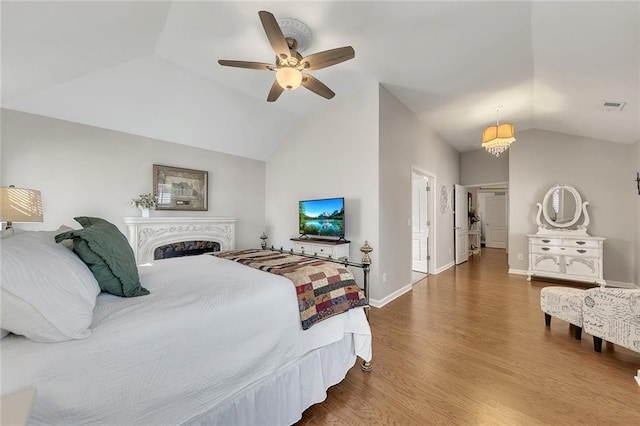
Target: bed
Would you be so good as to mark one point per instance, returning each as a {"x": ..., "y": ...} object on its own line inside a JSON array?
[{"x": 214, "y": 342}]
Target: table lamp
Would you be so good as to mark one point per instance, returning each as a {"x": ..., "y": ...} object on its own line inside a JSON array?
[{"x": 20, "y": 205}]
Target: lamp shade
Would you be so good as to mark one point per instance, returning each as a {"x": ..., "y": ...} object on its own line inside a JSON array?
[
  {"x": 20, "y": 205},
  {"x": 496, "y": 139},
  {"x": 289, "y": 78},
  {"x": 500, "y": 134}
]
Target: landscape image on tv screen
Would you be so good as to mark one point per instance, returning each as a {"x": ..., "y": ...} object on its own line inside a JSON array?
[{"x": 322, "y": 217}]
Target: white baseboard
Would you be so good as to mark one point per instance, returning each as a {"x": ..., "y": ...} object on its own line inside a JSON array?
[
  {"x": 610, "y": 283},
  {"x": 380, "y": 303},
  {"x": 621, "y": 284},
  {"x": 444, "y": 268}
]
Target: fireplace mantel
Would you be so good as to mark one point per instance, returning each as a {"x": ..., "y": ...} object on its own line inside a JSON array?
[{"x": 148, "y": 233}]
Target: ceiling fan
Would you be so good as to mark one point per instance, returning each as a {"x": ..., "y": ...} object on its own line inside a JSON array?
[{"x": 289, "y": 64}]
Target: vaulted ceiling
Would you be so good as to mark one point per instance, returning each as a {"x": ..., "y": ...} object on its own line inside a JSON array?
[{"x": 150, "y": 68}]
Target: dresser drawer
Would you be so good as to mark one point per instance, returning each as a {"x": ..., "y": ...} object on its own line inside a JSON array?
[
  {"x": 581, "y": 243},
  {"x": 572, "y": 251},
  {"x": 303, "y": 248},
  {"x": 547, "y": 241},
  {"x": 323, "y": 251},
  {"x": 334, "y": 251},
  {"x": 565, "y": 242}
]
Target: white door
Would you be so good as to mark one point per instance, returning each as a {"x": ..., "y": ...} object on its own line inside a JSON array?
[
  {"x": 461, "y": 221},
  {"x": 496, "y": 221},
  {"x": 420, "y": 224}
]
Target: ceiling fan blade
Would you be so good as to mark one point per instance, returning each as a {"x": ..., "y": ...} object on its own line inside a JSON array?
[
  {"x": 327, "y": 58},
  {"x": 274, "y": 34},
  {"x": 275, "y": 92},
  {"x": 316, "y": 86},
  {"x": 248, "y": 65}
]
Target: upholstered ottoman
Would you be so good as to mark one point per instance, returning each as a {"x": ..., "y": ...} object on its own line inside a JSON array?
[
  {"x": 613, "y": 314},
  {"x": 564, "y": 303}
]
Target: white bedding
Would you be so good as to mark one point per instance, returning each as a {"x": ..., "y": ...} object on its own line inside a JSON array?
[{"x": 198, "y": 339}]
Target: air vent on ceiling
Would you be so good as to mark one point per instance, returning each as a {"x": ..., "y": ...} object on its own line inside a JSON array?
[{"x": 613, "y": 106}]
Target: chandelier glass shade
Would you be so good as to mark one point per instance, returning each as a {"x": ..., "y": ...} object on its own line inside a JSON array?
[
  {"x": 496, "y": 139},
  {"x": 289, "y": 78}
]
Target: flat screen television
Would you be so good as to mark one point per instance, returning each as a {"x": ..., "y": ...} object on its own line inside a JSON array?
[{"x": 322, "y": 218}]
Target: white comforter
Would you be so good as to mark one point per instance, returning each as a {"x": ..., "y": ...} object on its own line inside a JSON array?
[{"x": 209, "y": 329}]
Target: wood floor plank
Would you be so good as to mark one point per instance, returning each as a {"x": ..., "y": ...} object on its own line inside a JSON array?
[{"x": 469, "y": 346}]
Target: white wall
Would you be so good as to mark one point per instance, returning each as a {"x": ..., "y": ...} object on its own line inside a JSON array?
[
  {"x": 439, "y": 158},
  {"x": 363, "y": 148},
  {"x": 599, "y": 170},
  {"x": 479, "y": 167},
  {"x": 333, "y": 153},
  {"x": 637, "y": 221},
  {"x": 407, "y": 142},
  {"x": 88, "y": 171}
]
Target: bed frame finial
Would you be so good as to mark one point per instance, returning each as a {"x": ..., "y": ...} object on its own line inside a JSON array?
[{"x": 366, "y": 249}]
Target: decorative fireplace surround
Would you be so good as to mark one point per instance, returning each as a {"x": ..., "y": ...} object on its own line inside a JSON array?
[{"x": 148, "y": 233}]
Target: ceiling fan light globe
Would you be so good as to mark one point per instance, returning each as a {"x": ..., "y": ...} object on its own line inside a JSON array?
[{"x": 289, "y": 78}]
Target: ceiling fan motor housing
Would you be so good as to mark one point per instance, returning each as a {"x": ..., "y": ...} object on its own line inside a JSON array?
[{"x": 287, "y": 39}]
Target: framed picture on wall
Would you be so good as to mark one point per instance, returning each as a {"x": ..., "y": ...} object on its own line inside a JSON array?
[
  {"x": 443, "y": 198},
  {"x": 180, "y": 189}
]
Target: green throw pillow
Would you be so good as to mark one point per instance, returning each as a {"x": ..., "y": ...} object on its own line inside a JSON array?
[{"x": 108, "y": 255}]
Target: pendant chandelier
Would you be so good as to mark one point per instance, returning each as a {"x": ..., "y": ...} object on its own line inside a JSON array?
[{"x": 496, "y": 139}]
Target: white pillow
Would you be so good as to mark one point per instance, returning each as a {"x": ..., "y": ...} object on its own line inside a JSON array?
[{"x": 48, "y": 293}]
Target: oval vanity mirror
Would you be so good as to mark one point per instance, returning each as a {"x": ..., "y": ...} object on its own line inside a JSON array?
[{"x": 562, "y": 206}]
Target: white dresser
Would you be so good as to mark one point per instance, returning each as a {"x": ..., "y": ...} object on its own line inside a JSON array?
[
  {"x": 575, "y": 258},
  {"x": 322, "y": 248},
  {"x": 562, "y": 248}
]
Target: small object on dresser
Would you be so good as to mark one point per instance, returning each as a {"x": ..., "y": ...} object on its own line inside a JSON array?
[{"x": 263, "y": 237}]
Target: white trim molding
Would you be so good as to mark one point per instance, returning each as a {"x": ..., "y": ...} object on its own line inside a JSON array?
[
  {"x": 148, "y": 233},
  {"x": 444, "y": 268},
  {"x": 620, "y": 284},
  {"x": 393, "y": 296},
  {"x": 610, "y": 283}
]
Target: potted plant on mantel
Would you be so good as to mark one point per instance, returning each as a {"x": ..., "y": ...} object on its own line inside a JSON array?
[{"x": 145, "y": 202}]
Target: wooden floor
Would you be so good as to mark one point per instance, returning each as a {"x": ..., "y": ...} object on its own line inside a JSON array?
[{"x": 469, "y": 346}]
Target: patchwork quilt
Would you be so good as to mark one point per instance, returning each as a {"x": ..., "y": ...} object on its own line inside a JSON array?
[{"x": 324, "y": 289}]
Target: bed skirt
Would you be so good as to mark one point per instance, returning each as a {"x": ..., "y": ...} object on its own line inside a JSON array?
[{"x": 281, "y": 398}]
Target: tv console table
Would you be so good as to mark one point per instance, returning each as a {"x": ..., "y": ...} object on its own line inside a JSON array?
[{"x": 335, "y": 249}]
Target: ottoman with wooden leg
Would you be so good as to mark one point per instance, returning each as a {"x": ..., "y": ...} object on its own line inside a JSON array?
[{"x": 564, "y": 303}]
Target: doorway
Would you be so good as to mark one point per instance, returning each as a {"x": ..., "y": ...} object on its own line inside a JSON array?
[
  {"x": 421, "y": 226},
  {"x": 491, "y": 206},
  {"x": 496, "y": 221}
]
